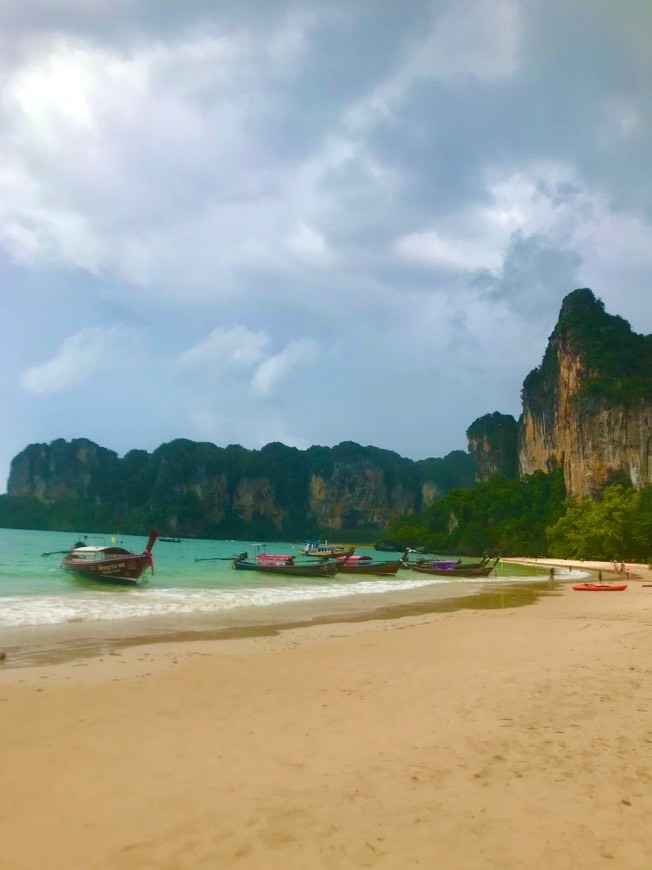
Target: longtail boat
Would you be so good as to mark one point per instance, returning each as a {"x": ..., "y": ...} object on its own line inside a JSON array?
[
  {"x": 363, "y": 565},
  {"x": 450, "y": 563},
  {"x": 110, "y": 564},
  {"x": 312, "y": 569},
  {"x": 458, "y": 571}
]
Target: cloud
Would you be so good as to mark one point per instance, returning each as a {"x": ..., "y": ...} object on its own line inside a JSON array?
[
  {"x": 148, "y": 112},
  {"x": 385, "y": 199},
  {"x": 309, "y": 245},
  {"x": 79, "y": 359},
  {"x": 545, "y": 203},
  {"x": 240, "y": 355},
  {"x": 188, "y": 110},
  {"x": 477, "y": 39},
  {"x": 271, "y": 374},
  {"x": 479, "y": 248},
  {"x": 222, "y": 351}
]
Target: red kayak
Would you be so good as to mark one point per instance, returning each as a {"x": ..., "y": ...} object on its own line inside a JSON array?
[{"x": 600, "y": 587}]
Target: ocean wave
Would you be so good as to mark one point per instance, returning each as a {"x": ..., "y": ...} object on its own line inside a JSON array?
[{"x": 86, "y": 607}]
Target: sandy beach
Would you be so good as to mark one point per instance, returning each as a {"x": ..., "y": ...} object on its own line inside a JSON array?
[{"x": 506, "y": 738}]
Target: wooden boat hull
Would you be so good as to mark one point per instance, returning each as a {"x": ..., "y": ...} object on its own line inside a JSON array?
[
  {"x": 110, "y": 564},
  {"x": 451, "y": 573},
  {"x": 442, "y": 564},
  {"x": 125, "y": 571},
  {"x": 600, "y": 587},
  {"x": 315, "y": 569},
  {"x": 351, "y": 564},
  {"x": 324, "y": 554},
  {"x": 380, "y": 569},
  {"x": 457, "y": 564}
]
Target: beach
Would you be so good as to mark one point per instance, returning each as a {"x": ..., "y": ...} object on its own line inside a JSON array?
[{"x": 502, "y": 738}]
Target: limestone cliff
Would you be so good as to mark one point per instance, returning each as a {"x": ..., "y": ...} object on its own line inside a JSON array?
[
  {"x": 356, "y": 494},
  {"x": 256, "y": 498},
  {"x": 493, "y": 444},
  {"x": 588, "y": 407},
  {"x": 194, "y": 489},
  {"x": 63, "y": 471}
]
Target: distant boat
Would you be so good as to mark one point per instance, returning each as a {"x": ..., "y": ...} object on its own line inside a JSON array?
[
  {"x": 311, "y": 569},
  {"x": 325, "y": 550},
  {"x": 387, "y": 547},
  {"x": 110, "y": 564},
  {"x": 170, "y": 540}
]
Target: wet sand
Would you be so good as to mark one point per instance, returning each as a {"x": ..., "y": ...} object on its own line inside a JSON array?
[
  {"x": 498, "y": 738},
  {"x": 44, "y": 644}
]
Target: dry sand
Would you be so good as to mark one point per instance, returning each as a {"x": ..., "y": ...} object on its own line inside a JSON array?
[{"x": 513, "y": 738}]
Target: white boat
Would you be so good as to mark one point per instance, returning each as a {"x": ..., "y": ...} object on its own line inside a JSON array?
[{"x": 325, "y": 550}]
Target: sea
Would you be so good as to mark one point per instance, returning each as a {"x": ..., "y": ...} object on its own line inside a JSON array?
[{"x": 194, "y": 591}]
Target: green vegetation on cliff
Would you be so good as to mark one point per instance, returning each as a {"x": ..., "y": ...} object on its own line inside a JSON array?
[
  {"x": 197, "y": 489},
  {"x": 493, "y": 444},
  {"x": 499, "y": 515},
  {"x": 530, "y": 517},
  {"x": 616, "y": 362}
]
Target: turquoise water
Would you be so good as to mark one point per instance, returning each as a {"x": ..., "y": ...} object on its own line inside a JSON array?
[{"x": 34, "y": 591}]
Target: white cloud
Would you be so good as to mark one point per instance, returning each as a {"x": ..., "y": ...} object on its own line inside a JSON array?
[
  {"x": 194, "y": 111},
  {"x": 466, "y": 252},
  {"x": 310, "y": 246},
  {"x": 271, "y": 374},
  {"x": 543, "y": 200},
  {"x": 224, "y": 350},
  {"x": 227, "y": 355},
  {"x": 79, "y": 359},
  {"x": 88, "y": 133}
]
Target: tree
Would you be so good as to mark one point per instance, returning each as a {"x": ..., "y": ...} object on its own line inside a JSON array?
[{"x": 617, "y": 525}]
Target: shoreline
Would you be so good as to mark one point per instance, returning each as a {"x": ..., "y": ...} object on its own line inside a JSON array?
[
  {"x": 46, "y": 644},
  {"x": 502, "y": 738},
  {"x": 43, "y": 645},
  {"x": 637, "y": 570}
]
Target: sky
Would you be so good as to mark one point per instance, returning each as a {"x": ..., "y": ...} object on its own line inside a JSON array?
[{"x": 309, "y": 222}]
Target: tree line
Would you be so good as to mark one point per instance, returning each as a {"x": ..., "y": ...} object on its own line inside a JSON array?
[{"x": 532, "y": 516}]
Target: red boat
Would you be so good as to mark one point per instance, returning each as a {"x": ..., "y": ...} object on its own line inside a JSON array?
[
  {"x": 600, "y": 587},
  {"x": 110, "y": 564},
  {"x": 350, "y": 564}
]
